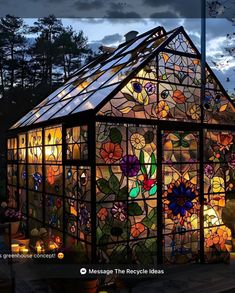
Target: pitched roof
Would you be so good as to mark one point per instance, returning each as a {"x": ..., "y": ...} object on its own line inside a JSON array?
[
  {"x": 96, "y": 80},
  {"x": 95, "y": 83}
]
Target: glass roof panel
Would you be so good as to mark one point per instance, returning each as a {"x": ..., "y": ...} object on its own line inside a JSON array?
[
  {"x": 47, "y": 115},
  {"x": 72, "y": 105},
  {"x": 38, "y": 112},
  {"x": 94, "y": 81},
  {"x": 135, "y": 44},
  {"x": 95, "y": 99}
]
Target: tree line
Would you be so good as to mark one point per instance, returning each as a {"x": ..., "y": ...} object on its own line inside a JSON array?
[{"x": 38, "y": 57}]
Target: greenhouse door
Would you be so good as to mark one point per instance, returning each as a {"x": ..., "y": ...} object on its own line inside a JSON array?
[{"x": 180, "y": 196}]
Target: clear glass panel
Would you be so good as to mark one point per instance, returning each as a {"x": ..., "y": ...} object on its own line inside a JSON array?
[
  {"x": 52, "y": 111},
  {"x": 95, "y": 98},
  {"x": 38, "y": 112},
  {"x": 72, "y": 105}
]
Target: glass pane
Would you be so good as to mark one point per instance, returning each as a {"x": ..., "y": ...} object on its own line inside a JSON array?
[
  {"x": 53, "y": 135},
  {"x": 95, "y": 99}
]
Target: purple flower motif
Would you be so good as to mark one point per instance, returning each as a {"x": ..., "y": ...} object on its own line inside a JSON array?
[
  {"x": 130, "y": 165},
  {"x": 209, "y": 171},
  {"x": 83, "y": 215},
  {"x": 150, "y": 88},
  {"x": 231, "y": 161},
  {"x": 119, "y": 211}
]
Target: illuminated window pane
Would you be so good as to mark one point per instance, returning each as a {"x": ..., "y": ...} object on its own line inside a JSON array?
[
  {"x": 76, "y": 141},
  {"x": 53, "y": 136},
  {"x": 35, "y": 138},
  {"x": 54, "y": 179}
]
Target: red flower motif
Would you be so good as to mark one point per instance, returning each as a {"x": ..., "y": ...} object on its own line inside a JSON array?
[
  {"x": 148, "y": 183},
  {"x": 110, "y": 152}
]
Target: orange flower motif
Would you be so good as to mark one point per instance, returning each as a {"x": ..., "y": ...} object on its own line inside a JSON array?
[
  {"x": 102, "y": 214},
  {"x": 178, "y": 97},
  {"x": 137, "y": 229},
  {"x": 225, "y": 141},
  {"x": 110, "y": 152},
  {"x": 51, "y": 176},
  {"x": 218, "y": 236}
]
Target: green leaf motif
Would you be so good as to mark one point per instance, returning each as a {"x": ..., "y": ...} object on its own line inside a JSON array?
[
  {"x": 151, "y": 219},
  {"x": 143, "y": 255},
  {"x": 134, "y": 192},
  {"x": 153, "y": 190},
  {"x": 114, "y": 184},
  {"x": 103, "y": 186},
  {"x": 134, "y": 209},
  {"x": 142, "y": 166},
  {"x": 153, "y": 165},
  {"x": 122, "y": 194},
  {"x": 184, "y": 143},
  {"x": 118, "y": 254},
  {"x": 115, "y": 135}
]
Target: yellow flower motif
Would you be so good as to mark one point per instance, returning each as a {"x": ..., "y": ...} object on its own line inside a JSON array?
[
  {"x": 217, "y": 184},
  {"x": 137, "y": 141},
  {"x": 195, "y": 112},
  {"x": 162, "y": 109}
]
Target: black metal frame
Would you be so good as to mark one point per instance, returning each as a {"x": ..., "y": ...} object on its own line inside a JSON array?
[{"x": 90, "y": 118}]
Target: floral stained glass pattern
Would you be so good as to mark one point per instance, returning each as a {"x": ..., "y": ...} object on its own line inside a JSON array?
[
  {"x": 53, "y": 179},
  {"x": 179, "y": 103},
  {"x": 35, "y": 177},
  {"x": 22, "y": 175},
  {"x": 78, "y": 207},
  {"x": 219, "y": 181},
  {"x": 183, "y": 70},
  {"x": 137, "y": 99},
  {"x": 181, "y": 44},
  {"x": 127, "y": 188},
  {"x": 181, "y": 208},
  {"x": 54, "y": 211},
  {"x": 217, "y": 108},
  {"x": 76, "y": 141}
]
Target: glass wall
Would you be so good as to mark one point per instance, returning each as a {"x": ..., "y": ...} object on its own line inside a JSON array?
[{"x": 51, "y": 193}]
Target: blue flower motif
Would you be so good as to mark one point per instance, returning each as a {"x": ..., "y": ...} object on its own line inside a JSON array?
[{"x": 181, "y": 197}]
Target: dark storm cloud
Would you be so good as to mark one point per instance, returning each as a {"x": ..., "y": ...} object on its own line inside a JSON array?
[
  {"x": 110, "y": 39},
  {"x": 119, "y": 14},
  {"x": 163, "y": 15},
  {"x": 88, "y": 5},
  {"x": 169, "y": 8}
]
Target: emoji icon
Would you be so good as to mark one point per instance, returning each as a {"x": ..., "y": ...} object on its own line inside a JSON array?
[{"x": 60, "y": 255}]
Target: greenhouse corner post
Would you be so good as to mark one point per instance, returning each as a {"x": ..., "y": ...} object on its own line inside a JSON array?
[
  {"x": 201, "y": 152},
  {"x": 92, "y": 158}
]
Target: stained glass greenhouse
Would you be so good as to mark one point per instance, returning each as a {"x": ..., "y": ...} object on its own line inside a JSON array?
[{"x": 132, "y": 159}]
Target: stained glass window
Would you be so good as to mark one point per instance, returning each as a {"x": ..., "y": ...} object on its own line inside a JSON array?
[
  {"x": 76, "y": 142},
  {"x": 126, "y": 184},
  {"x": 158, "y": 174},
  {"x": 12, "y": 149},
  {"x": 219, "y": 181},
  {"x": 181, "y": 208},
  {"x": 181, "y": 44}
]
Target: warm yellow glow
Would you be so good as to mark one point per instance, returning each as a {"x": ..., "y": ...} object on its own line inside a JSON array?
[
  {"x": 39, "y": 249},
  {"x": 22, "y": 248},
  {"x": 35, "y": 155},
  {"x": 209, "y": 212},
  {"x": 15, "y": 248},
  {"x": 25, "y": 251}
]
